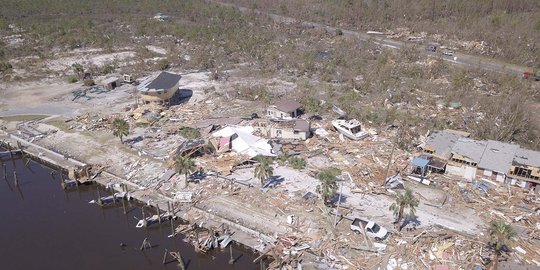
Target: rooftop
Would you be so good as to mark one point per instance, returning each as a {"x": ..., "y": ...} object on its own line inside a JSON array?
[
  {"x": 163, "y": 81},
  {"x": 288, "y": 105},
  {"x": 526, "y": 157},
  {"x": 471, "y": 149},
  {"x": 498, "y": 156},
  {"x": 441, "y": 142}
]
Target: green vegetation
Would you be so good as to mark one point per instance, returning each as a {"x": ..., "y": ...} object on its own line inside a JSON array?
[
  {"x": 403, "y": 201},
  {"x": 184, "y": 165},
  {"x": 505, "y": 26},
  {"x": 263, "y": 170},
  {"x": 89, "y": 82},
  {"x": 120, "y": 128},
  {"x": 72, "y": 79},
  {"x": 501, "y": 235},
  {"x": 328, "y": 186},
  {"x": 190, "y": 133},
  {"x": 296, "y": 163},
  {"x": 378, "y": 86},
  {"x": 5, "y": 66}
]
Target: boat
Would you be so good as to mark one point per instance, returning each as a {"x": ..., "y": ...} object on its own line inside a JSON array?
[
  {"x": 351, "y": 129},
  {"x": 145, "y": 222},
  {"x": 112, "y": 198}
]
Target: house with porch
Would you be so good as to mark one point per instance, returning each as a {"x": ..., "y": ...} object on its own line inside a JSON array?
[{"x": 438, "y": 148}]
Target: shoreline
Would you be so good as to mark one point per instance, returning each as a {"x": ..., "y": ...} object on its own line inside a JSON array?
[{"x": 244, "y": 236}]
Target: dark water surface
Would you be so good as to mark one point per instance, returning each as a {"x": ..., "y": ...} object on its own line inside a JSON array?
[{"x": 44, "y": 227}]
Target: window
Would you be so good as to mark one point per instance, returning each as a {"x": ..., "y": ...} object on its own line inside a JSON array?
[{"x": 278, "y": 132}]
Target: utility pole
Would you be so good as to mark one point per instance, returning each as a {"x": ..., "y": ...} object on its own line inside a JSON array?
[
  {"x": 388, "y": 166},
  {"x": 339, "y": 202}
]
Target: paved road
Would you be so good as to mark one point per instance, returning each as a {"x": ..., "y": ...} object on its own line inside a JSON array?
[{"x": 458, "y": 59}]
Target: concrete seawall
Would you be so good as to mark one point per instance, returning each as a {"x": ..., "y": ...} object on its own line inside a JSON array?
[{"x": 67, "y": 165}]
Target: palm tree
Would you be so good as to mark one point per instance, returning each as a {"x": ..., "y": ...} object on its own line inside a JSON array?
[
  {"x": 120, "y": 128},
  {"x": 404, "y": 200},
  {"x": 184, "y": 165},
  {"x": 501, "y": 234},
  {"x": 328, "y": 186},
  {"x": 263, "y": 170}
]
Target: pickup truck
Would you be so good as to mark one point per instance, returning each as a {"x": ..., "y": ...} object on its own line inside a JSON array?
[{"x": 372, "y": 229}]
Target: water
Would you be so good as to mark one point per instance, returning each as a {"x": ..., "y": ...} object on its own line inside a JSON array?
[{"x": 44, "y": 227}]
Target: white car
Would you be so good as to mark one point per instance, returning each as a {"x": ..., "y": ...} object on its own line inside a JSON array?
[
  {"x": 372, "y": 229},
  {"x": 448, "y": 53}
]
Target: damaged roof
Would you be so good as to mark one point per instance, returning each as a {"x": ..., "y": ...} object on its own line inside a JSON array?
[
  {"x": 471, "y": 149},
  {"x": 288, "y": 105},
  {"x": 296, "y": 125},
  {"x": 441, "y": 142},
  {"x": 526, "y": 157},
  {"x": 164, "y": 80},
  {"x": 498, "y": 156}
]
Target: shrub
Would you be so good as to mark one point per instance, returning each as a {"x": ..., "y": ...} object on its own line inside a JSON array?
[
  {"x": 4, "y": 66},
  {"x": 89, "y": 82},
  {"x": 163, "y": 64},
  {"x": 72, "y": 79},
  {"x": 297, "y": 163},
  {"x": 190, "y": 133}
]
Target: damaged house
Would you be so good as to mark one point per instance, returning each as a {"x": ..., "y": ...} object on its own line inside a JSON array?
[
  {"x": 160, "y": 88},
  {"x": 453, "y": 153},
  {"x": 438, "y": 148},
  {"x": 297, "y": 129},
  {"x": 465, "y": 156},
  {"x": 496, "y": 161},
  {"x": 284, "y": 109},
  {"x": 241, "y": 140},
  {"x": 525, "y": 169}
]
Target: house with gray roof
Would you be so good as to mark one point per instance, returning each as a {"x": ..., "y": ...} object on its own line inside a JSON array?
[
  {"x": 496, "y": 160},
  {"x": 525, "y": 169},
  {"x": 464, "y": 157},
  {"x": 160, "y": 87},
  {"x": 284, "y": 109}
]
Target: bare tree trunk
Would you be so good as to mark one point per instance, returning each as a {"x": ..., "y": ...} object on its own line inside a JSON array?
[
  {"x": 400, "y": 217},
  {"x": 496, "y": 261}
]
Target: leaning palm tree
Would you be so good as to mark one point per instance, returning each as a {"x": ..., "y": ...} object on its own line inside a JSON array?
[
  {"x": 263, "y": 170},
  {"x": 403, "y": 201},
  {"x": 501, "y": 234},
  {"x": 328, "y": 186},
  {"x": 184, "y": 165},
  {"x": 120, "y": 128}
]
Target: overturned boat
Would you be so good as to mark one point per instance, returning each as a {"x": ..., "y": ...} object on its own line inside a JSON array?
[
  {"x": 145, "y": 222},
  {"x": 351, "y": 129},
  {"x": 112, "y": 198}
]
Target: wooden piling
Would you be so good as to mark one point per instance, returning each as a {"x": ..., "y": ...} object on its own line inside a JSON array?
[
  {"x": 99, "y": 197},
  {"x": 143, "y": 217},
  {"x": 165, "y": 256},
  {"x": 5, "y": 171},
  {"x": 178, "y": 256},
  {"x": 124, "y": 204},
  {"x": 231, "y": 260},
  {"x": 158, "y": 213},
  {"x": 16, "y": 180},
  {"x": 11, "y": 155}
]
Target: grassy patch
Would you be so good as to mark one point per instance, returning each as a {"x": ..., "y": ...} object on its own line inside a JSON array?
[{"x": 23, "y": 118}]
